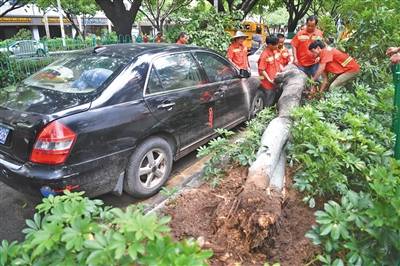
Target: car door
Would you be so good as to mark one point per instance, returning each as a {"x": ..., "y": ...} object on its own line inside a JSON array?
[
  {"x": 180, "y": 98},
  {"x": 224, "y": 78}
]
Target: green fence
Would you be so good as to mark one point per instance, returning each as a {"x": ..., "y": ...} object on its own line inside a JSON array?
[
  {"x": 396, "y": 120},
  {"x": 21, "y": 58},
  {"x": 21, "y": 48},
  {"x": 13, "y": 70}
]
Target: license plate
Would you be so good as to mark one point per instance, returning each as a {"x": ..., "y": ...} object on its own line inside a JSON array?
[{"x": 3, "y": 134}]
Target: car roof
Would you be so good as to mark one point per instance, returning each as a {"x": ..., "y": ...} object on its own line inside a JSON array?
[{"x": 133, "y": 50}]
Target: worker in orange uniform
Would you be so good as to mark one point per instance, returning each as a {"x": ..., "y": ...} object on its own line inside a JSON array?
[
  {"x": 303, "y": 58},
  {"x": 183, "y": 38},
  {"x": 269, "y": 65},
  {"x": 342, "y": 65},
  {"x": 159, "y": 38},
  {"x": 237, "y": 52},
  {"x": 285, "y": 55},
  {"x": 394, "y": 53}
]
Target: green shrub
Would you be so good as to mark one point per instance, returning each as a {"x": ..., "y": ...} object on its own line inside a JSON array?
[
  {"x": 23, "y": 34},
  {"x": 74, "y": 230},
  {"x": 336, "y": 139},
  {"x": 202, "y": 32},
  {"x": 364, "y": 228},
  {"x": 241, "y": 152},
  {"x": 342, "y": 148}
]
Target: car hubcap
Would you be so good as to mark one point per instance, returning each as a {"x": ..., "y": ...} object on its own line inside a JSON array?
[{"x": 152, "y": 168}]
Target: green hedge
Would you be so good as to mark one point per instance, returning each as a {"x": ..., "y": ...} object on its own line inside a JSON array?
[
  {"x": 72, "y": 230},
  {"x": 343, "y": 148}
]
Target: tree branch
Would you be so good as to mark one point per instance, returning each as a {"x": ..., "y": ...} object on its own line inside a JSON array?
[{"x": 14, "y": 6}]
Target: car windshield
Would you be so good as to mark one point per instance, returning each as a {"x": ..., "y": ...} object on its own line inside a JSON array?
[{"x": 76, "y": 74}]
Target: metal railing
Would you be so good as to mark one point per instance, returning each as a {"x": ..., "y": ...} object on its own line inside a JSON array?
[
  {"x": 21, "y": 58},
  {"x": 396, "y": 116}
]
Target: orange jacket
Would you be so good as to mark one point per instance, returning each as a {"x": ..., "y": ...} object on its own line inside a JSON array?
[{"x": 301, "y": 42}]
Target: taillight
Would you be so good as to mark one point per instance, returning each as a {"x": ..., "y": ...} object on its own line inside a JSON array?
[{"x": 53, "y": 144}]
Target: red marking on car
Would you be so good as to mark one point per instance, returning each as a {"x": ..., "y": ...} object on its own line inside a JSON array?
[
  {"x": 67, "y": 187},
  {"x": 210, "y": 117}
]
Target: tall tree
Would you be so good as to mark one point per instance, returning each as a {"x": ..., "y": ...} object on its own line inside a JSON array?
[
  {"x": 326, "y": 7},
  {"x": 10, "y": 5},
  {"x": 297, "y": 9},
  {"x": 157, "y": 11},
  {"x": 121, "y": 13},
  {"x": 72, "y": 9},
  {"x": 233, "y": 5}
]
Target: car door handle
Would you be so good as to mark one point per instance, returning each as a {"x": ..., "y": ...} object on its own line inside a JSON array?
[
  {"x": 166, "y": 105},
  {"x": 219, "y": 93}
]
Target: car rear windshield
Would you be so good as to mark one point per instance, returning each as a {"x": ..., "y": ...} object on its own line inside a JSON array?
[{"x": 77, "y": 74}]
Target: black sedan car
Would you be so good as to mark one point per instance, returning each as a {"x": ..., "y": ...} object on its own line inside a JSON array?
[{"x": 115, "y": 117}]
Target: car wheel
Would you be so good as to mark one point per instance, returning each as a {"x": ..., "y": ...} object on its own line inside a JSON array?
[
  {"x": 148, "y": 168},
  {"x": 257, "y": 105},
  {"x": 40, "y": 53}
]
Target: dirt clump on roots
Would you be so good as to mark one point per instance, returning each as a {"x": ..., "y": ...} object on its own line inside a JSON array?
[{"x": 248, "y": 227}]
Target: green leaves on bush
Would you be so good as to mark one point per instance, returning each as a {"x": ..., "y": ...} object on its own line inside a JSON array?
[
  {"x": 342, "y": 147},
  {"x": 74, "y": 230},
  {"x": 223, "y": 150},
  {"x": 336, "y": 139},
  {"x": 202, "y": 32}
]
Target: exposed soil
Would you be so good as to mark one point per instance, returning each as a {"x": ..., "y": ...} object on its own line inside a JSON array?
[{"x": 250, "y": 228}]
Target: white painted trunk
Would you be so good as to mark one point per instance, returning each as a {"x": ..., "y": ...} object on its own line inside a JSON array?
[{"x": 268, "y": 171}]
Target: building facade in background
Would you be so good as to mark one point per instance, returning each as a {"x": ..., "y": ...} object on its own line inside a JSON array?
[{"x": 34, "y": 19}]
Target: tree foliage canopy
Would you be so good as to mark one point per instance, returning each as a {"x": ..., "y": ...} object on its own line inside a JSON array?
[{"x": 72, "y": 9}]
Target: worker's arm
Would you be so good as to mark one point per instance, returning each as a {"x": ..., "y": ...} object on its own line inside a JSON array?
[
  {"x": 392, "y": 50},
  {"x": 320, "y": 71},
  {"x": 324, "y": 84},
  {"x": 266, "y": 76},
  {"x": 295, "y": 61},
  {"x": 395, "y": 59}
]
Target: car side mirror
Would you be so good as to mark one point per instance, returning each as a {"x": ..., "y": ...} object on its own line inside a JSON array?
[{"x": 244, "y": 74}]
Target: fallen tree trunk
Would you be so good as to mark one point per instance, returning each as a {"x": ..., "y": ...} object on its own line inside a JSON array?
[
  {"x": 292, "y": 81},
  {"x": 256, "y": 211}
]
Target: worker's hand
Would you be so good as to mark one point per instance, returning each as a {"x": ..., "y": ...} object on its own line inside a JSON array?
[
  {"x": 392, "y": 50},
  {"x": 395, "y": 59},
  {"x": 295, "y": 61},
  {"x": 317, "y": 60}
]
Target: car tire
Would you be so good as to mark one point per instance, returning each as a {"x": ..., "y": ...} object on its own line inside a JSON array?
[
  {"x": 155, "y": 169},
  {"x": 40, "y": 53},
  {"x": 257, "y": 104}
]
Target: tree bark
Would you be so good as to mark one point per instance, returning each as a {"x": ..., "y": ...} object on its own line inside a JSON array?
[
  {"x": 267, "y": 163},
  {"x": 297, "y": 9},
  {"x": 17, "y": 4},
  {"x": 121, "y": 17},
  {"x": 76, "y": 27}
]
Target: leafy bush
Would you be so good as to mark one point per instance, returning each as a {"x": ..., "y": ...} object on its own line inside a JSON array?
[
  {"x": 23, "y": 34},
  {"x": 342, "y": 148},
  {"x": 55, "y": 44},
  {"x": 242, "y": 151},
  {"x": 74, "y": 230},
  {"x": 202, "y": 32},
  {"x": 337, "y": 139},
  {"x": 364, "y": 228}
]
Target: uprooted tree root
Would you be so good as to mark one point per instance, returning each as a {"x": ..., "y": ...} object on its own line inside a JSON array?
[
  {"x": 252, "y": 215},
  {"x": 239, "y": 225}
]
